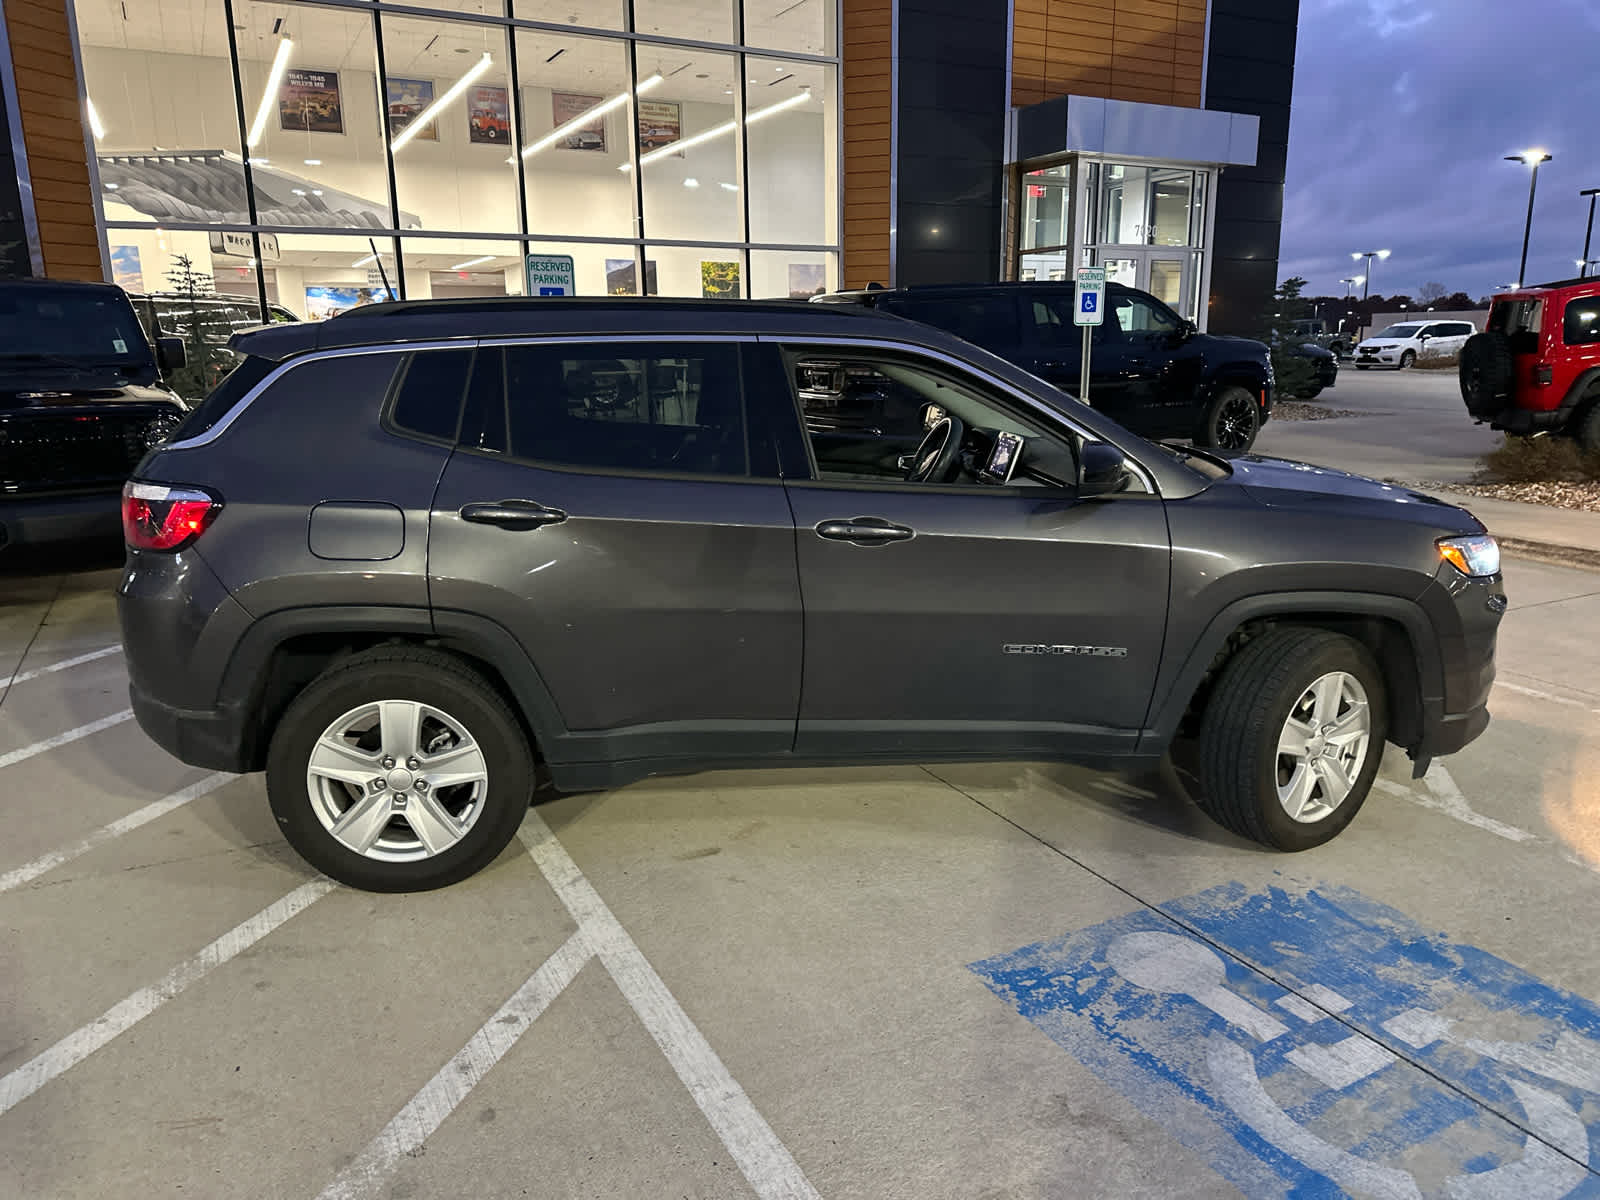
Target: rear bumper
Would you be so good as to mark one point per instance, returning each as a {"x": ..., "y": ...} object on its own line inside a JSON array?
[
  {"x": 1522, "y": 421},
  {"x": 214, "y": 738},
  {"x": 38, "y": 520}
]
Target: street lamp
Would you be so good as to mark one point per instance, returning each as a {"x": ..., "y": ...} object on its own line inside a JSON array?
[
  {"x": 1583, "y": 267},
  {"x": 1350, "y": 282},
  {"x": 1530, "y": 158},
  {"x": 1369, "y": 255}
]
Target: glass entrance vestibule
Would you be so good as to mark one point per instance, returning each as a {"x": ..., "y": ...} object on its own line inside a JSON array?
[{"x": 1147, "y": 223}]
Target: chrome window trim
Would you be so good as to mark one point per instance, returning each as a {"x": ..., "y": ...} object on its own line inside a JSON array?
[
  {"x": 1054, "y": 416},
  {"x": 606, "y": 339},
  {"x": 289, "y": 364}
]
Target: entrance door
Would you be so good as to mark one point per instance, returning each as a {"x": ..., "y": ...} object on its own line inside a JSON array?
[{"x": 1165, "y": 274}]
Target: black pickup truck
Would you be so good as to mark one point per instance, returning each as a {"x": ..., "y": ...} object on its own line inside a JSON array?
[{"x": 81, "y": 401}]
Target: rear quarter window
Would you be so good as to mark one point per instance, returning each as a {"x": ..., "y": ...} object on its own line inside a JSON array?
[
  {"x": 988, "y": 321},
  {"x": 225, "y": 397},
  {"x": 1582, "y": 324}
]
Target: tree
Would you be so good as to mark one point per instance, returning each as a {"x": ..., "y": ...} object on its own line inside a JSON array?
[
  {"x": 1294, "y": 375},
  {"x": 1431, "y": 293},
  {"x": 208, "y": 360}
]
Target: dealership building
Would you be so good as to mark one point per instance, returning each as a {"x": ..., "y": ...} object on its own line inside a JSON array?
[{"x": 323, "y": 153}]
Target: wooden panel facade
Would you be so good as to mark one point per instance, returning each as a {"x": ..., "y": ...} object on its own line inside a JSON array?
[
  {"x": 53, "y": 134},
  {"x": 1145, "y": 50},
  {"x": 866, "y": 43}
]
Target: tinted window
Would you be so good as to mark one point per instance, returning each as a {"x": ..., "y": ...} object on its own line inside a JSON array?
[
  {"x": 989, "y": 321},
  {"x": 1463, "y": 329},
  {"x": 483, "y": 420},
  {"x": 1582, "y": 326},
  {"x": 1141, "y": 318},
  {"x": 427, "y": 393},
  {"x": 225, "y": 397},
  {"x": 637, "y": 407},
  {"x": 1052, "y": 319},
  {"x": 84, "y": 325}
]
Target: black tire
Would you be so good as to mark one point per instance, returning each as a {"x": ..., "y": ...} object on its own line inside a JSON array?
[
  {"x": 441, "y": 682},
  {"x": 1231, "y": 422},
  {"x": 1407, "y": 357},
  {"x": 1586, "y": 428},
  {"x": 1310, "y": 393},
  {"x": 1237, "y": 752},
  {"x": 1486, "y": 372}
]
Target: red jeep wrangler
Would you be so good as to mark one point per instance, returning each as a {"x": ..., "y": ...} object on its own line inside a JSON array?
[{"x": 1536, "y": 366}]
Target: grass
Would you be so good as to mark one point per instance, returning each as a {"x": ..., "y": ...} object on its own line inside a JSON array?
[
  {"x": 1547, "y": 459},
  {"x": 1436, "y": 362}
]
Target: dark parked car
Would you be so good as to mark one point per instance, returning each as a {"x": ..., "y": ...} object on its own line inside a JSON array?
[
  {"x": 1149, "y": 369},
  {"x": 204, "y": 324},
  {"x": 402, "y": 555},
  {"x": 81, "y": 400},
  {"x": 1324, "y": 365}
]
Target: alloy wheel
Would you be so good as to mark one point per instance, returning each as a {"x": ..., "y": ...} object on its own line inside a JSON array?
[
  {"x": 1236, "y": 423},
  {"x": 397, "y": 780},
  {"x": 1323, "y": 746}
]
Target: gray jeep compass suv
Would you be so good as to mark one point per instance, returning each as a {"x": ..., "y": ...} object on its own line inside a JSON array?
[{"x": 403, "y": 557}]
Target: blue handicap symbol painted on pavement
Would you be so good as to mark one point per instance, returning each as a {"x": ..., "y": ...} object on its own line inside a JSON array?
[
  {"x": 1090, "y": 301},
  {"x": 1358, "y": 1053}
]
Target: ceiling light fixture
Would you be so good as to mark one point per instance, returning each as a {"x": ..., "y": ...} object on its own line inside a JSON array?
[
  {"x": 96, "y": 126},
  {"x": 451, "y": 95},
  {"x": 269, "y": 94},
  {"x": 717, "y": 131},
  {"x": 473, "y": 262},
  {"x": 586, "y": 116},
  {"x": 729, "y": 187},
  {"x": 312, "y": 162},
  {"x": 361, "y": 262},
  {"x": 691, "y": 182}
]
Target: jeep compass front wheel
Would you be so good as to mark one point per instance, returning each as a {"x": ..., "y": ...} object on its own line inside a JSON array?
[
  {"x": 1292, "y": 737},
  {"x": 400, "y": 769}
]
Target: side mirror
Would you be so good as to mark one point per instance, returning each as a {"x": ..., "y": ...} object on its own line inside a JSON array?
[
  {"x": 171, "y": 355},
  {"x": 1102, "y": 469},
  {"x": 1186, "y": 330}
]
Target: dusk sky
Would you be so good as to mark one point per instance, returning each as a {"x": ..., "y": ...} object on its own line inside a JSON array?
[{"x": 1402, "y": 114}]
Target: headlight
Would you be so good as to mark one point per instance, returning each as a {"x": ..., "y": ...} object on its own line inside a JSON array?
[{"x": 1477, "y": 555}]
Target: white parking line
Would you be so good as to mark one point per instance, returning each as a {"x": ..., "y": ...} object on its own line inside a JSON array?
[
  {"x": 61, "y": 739},
  {"x": 123, "y": 1016},
  {"x": 1444, "y": 796},
  {"x": 18, "y": 876},
  {"x": 765, "y": 1161},
  {"x": 64, "y": 664},
  {"x": 1564, "y": 701},
  {"x": 440, "y": 1096}
]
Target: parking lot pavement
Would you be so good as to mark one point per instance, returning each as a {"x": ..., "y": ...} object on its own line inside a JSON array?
[
  {"x": 998, "y": 980},
  {"x": 1411, "y": 425}
]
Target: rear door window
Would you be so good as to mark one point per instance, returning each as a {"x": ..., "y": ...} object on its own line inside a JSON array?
[
  {"x": 988, "y": 320},
  {"x": 1582, "y": 324},
  {"x": 658, "y": 407}
]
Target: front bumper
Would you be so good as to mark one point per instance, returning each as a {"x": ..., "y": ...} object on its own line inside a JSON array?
[
  {"x": 1466, "y": 618},
  {"x": 1381, "y": 358},
  {"x": 36, "y": 520}
]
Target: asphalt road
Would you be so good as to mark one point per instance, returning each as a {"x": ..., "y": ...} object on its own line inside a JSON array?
[
  {"x": 1411, "y": 425},
  {"x": 993, "y": 981}
]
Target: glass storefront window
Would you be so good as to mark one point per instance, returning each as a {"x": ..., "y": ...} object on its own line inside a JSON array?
[
  {"x": 1172, "y": 199},
  {"x": 596, "y": 14},
  {"x": 702, "y": 21},
  {"x": 316, "y": 275},
  {"x": 710, "y": 272},
  {"x": 451, "y": 124},
  {"x": 800, "y": 26},
  {"x": 1045, "y": 206},
  {"x": 576, "y": 139},
  {"x": 792, "y": 274},
  {"x": 162, "y": 112},
  {"x": 690, "y": 177},
  {"x": 791, "y": 151},
  {"x": 458, "y": 268}
]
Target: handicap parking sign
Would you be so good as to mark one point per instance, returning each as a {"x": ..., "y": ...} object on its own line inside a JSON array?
[
  {"x": 1091, "y": 302},
  {"x": 1318, "y": 1043}
]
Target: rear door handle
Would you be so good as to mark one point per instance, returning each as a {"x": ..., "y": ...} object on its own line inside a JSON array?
[
  {"x": 512, "y": 514},
  {"x": 863, "y": 531}
]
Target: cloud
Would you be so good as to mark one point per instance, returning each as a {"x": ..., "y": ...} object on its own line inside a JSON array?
[{"x": 1401, "y": 120}]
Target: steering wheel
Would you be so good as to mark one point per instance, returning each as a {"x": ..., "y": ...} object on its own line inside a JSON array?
[{"x": 935, "y": 459}]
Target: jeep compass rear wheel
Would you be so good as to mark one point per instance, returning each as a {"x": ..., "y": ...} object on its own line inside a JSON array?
[
  {"x": 1292, "y": 737},
  {"x": 401, "y": 769}
]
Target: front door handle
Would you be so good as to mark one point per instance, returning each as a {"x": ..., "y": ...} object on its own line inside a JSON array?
[
  {"x": 512, "y": 514},
  {"x": 863, "y": 531}
]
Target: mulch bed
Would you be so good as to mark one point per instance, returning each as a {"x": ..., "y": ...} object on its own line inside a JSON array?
[
  {"x": 1585, "y": 497},
  {"x": 1299, "y": 410}
]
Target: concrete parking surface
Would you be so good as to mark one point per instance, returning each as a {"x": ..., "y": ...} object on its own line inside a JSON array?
[{"x": 1012, "y": 980}]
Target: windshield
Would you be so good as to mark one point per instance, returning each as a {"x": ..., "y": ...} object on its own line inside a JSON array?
[
  {"x": 1399, "y": 331},
  {"x": 69, "y": 326}
]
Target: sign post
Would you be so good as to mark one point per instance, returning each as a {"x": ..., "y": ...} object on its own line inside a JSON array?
[
  {"x": 550, "y": 275},
  {"x": 1088, "y": 312}
]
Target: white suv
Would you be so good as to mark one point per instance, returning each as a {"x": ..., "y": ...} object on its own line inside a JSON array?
[{"x": 1399, "y": 345}]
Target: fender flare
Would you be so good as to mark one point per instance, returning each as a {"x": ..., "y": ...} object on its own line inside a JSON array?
[
  {"x": 1582, "y": 386},
  {"x": 1173, "y": 690}
]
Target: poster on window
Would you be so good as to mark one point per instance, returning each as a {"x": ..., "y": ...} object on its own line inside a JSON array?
[
  {"x": 407, "y": 99},
  {"x": 805, "y": 281},
  {"x": 126, "y": 272},
  {"x": 489, "y": 115},
  {"x": 622, "y": 277},
  {"x": 308, "y": 102},
  {"x": 568, "y": 106},
  {"x": 660, "y": 123},
  {"x": 719, "y": 280}
]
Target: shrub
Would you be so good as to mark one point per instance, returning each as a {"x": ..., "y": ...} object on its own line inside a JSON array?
[
  {"x": 1546, "y": 459},
  {"x": 1429, "y": 361}
]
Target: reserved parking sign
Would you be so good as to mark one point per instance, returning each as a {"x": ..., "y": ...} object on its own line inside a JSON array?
[
  {"x": 550, "y": 275},
  {"x": 1090, "y": 309}
]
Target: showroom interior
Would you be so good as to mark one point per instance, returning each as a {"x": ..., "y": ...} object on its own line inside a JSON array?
[{"x": 318, "y": 154}]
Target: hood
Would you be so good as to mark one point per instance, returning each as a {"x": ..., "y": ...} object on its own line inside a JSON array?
[
  {"x": 1281, "y": 483},
  {"x": 1310, "y": 350},
  {"x": 1234, "y": 345},
  {"x": 69, "y": 389}
]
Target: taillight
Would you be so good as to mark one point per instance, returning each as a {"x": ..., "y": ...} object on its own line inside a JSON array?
[
  {"x": 1543, "y": 373},
  {"x": 158, "y": 517}
]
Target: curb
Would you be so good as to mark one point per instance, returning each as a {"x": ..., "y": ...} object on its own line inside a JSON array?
[{"x": 1550, "y": 552}]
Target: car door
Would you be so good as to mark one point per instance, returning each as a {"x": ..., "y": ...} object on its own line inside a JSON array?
[
  {"x": 948, "y": 620},
  {"x": 607, "y": 507},
  {"x": 1057, "y": 354}
]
